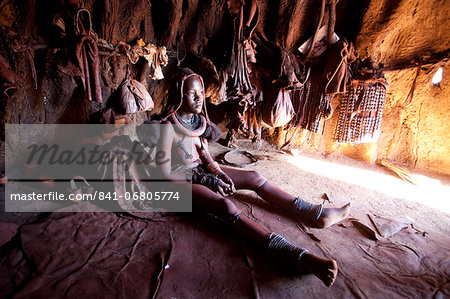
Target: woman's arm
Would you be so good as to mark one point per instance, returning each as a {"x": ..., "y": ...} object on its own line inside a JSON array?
[
  {"x": 164, "y": 150},
  {"x": 214, "y": 168}
]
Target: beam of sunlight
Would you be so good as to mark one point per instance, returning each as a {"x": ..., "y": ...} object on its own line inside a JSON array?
[
  {"x": 437, "y": 78},
  {"x": 428, "y": 191}
]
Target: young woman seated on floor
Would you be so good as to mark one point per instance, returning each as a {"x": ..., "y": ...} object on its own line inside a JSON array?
[{"x": 211, "y": 184}]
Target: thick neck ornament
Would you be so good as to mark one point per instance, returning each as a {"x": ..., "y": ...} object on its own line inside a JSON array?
[{"x": 193, "y": 129}]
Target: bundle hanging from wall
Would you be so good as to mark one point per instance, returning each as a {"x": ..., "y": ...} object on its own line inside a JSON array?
[
  {"x": 239, "y": 85},
  {"x": 84, "y": 59},
  {"x": 328, "y": 76},
  {"x": 360, "y": 111},
  {"x": 314, "y": 106}
]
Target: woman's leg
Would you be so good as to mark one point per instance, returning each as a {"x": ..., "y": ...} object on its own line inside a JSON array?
[
  {"x": 252, "y": 180},
  {"x": 208, "y": 201}
]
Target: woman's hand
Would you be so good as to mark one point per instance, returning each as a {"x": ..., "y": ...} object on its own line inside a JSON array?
[
  {"x": 229, "y": 189},
  {"x": 223, "y": 188}
]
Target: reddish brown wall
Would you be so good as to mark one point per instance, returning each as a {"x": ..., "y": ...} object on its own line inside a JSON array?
[{"x": 396, "y": 33}]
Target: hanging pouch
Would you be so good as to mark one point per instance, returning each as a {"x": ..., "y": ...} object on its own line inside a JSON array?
[
  {"x": 278, "y": 111},
  {"x": 134, "y": 97}
]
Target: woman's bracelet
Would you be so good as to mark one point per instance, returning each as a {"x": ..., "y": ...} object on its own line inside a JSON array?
[
  {"x": 209, "y": 180},
  {"x": 220, "y": 175}
]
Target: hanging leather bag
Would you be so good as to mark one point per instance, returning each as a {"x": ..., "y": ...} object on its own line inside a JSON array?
[
  {"x": 278, "y": 109},
  {"x": 134, "y": 97}
]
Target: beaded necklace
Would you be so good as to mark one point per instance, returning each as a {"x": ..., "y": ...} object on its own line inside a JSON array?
[
  {"x": 190, "y": 124},
  {"x": 195, "y": 129}
]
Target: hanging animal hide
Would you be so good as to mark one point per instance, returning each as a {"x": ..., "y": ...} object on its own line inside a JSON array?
[
  {"x": 109, "y": 21},
  {"x": 156, "y": 57},
  {"x": 278, "y": 63},
  {"x": 239, "y": 84},
  {"x": 253, "y": 115},
  {"x": 85, "y": 61},
  {"x": 327, "y": 78},
  {"x": 254, "y": 120},
  {"x": 28, "y": 50},
  {"x": 8, "y": 80},
  {"x": 214, "y": 82}
]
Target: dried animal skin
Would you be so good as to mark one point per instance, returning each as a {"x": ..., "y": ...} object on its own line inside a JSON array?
[
  {"x": 156, "y": 57},
  {"x": 234, "y": 6},
  {"x": 8, "y": 79},
  {"x": 134, "y": 54},
  {"x": 84, "y": 62},
  {"x": 215, "y": 82}
]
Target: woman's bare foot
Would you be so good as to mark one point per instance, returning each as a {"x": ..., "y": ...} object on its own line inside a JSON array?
[
  {"x": 324, "y": 269},
  {"x": 331, "y": 216}
]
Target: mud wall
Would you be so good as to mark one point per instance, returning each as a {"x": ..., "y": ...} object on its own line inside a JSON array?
[
  {"x": 417, "y": 135},
  {"x": 396, "y": 35}
]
